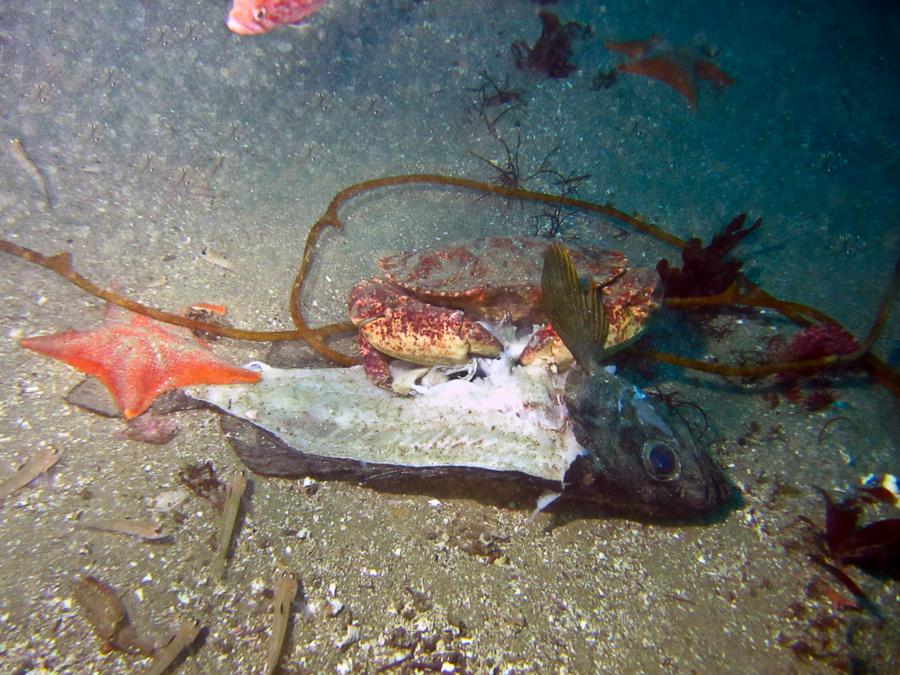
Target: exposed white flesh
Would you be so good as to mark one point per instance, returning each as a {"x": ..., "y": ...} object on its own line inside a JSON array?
[{"x": 509, "y": 420}]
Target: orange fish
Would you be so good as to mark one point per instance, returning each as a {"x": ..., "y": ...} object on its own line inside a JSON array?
[{"x": 255, "y": 17}]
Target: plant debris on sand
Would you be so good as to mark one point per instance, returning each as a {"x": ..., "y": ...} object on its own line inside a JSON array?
[{"x": 873, "y": 547}]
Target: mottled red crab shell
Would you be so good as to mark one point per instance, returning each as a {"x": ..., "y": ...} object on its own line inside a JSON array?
[
  {"x": 426, "y": 307},
  {"x": 491, "y": 278}
]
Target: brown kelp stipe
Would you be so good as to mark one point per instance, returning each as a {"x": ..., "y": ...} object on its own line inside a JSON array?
[
  {"x": 753, "y": 296},
  {"x": 744, "y": 293},
  {"x": 61, "y": 264}
]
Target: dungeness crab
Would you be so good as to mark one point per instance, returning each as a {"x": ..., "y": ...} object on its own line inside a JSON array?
[{"x": 437, "y": 306}]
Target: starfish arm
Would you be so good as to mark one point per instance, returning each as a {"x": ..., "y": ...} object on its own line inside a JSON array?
[
  {"x": 634, "y": 49},
  {"x": 213, "y": 371},
  {"x": 138, "y": 359},
  {"x": 704, "y": 69},
  {"x": 73, "y": 347},
  {"x": 674, "y": 74},
  {"x": 163, "y": 364},
  {"x": 136, "y": 387}
]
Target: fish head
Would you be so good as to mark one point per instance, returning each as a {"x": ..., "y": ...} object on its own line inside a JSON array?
[
  {"x": 639, "y": 459},
  {"x": 255, "y": 17},
  {"x": 636, "y": 458},
  {"x": 250, "y": 17}
]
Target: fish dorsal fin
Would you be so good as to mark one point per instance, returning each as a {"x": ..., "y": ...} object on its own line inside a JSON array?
[{"x": 577, "y": 315}]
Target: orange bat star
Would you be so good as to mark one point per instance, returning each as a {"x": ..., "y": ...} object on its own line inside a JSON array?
[
  {"x": 138, "y": 358},
  {"x": 679, "y": 67}
]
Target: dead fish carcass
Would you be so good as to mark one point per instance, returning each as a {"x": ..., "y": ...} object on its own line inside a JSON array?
[
  {"x": 601, "y": 441},
  {"x": 595, "y": 439},
  {"x": 585, "y": 435}
]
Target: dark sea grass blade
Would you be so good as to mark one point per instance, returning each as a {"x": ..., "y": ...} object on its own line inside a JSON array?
[{"x": 577, "y": 316}]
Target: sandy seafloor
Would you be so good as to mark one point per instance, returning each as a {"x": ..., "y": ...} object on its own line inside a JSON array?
[{"x": 129, "y": 106}]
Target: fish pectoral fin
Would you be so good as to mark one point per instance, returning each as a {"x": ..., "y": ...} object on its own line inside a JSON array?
[{"x": 578, "y": 317}]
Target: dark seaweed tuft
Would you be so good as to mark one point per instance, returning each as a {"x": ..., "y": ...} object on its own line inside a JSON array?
[
  {"x": 706, "y": 270},
  {"x": 552, "y": 53}
]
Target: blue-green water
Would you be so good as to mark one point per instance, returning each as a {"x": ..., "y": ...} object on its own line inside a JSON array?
[{"x": 161, "y": 134}]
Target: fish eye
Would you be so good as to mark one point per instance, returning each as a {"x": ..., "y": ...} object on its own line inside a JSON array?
[
  {"x": 660, "y": 461},
  {"x": 260, "y": 13}
]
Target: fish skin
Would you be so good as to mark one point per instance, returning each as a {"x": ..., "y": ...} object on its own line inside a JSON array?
[
  {"x": 256, "y": 17},
  {"x": 591, "y": 447}
]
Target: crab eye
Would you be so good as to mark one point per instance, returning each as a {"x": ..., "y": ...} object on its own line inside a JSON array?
[
  {"x": 260, "y": 13},
  {"x": 660, "y": 461}
]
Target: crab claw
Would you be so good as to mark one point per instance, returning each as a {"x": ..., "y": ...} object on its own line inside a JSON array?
[
  {"x": 429, "y": 335},
  {"x": 406, "y": 328},
  {"x": 545, "y": 347},
  {"x": 376, "y": 364}
]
